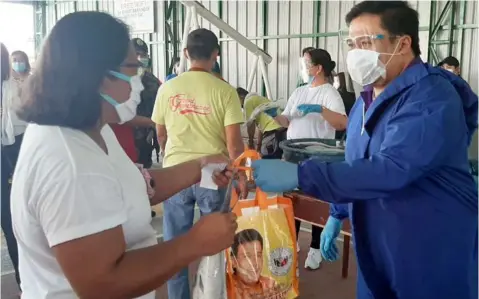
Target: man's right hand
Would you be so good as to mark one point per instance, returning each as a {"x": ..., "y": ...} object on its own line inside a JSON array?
[
  {"x": 214, "y": 233},
  {"x": 330, "y": 233}
]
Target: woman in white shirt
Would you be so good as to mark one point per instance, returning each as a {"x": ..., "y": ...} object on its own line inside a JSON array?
[
  {"x": 315, "y": 110},
  {"x": 12, "y": 130},
  {"x": 80, "y": 208}
]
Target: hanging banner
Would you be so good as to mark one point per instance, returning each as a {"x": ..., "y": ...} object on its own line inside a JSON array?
[{"x": 138, "y": 14}]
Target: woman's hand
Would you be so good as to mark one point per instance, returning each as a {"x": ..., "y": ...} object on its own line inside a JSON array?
[{"x": 222, "y": 179}]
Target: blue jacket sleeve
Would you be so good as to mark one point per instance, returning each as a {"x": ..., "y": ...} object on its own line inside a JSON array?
[
  {"x": 338, "y": 211},
  {"x": 427, "y": 128}
]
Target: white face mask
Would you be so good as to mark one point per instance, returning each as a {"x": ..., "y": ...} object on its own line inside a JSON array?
[
  {"x": 364, "y": 66},
  {"x": 127, "y": 110},
  {"x": 450, "y": 70}
]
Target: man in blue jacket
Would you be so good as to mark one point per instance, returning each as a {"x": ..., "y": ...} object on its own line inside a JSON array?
[{"x": 412, "y": 200}]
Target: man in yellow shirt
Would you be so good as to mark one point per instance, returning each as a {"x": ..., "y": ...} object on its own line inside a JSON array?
[
  {"x": 270, "y": 133},
  {"x": 197, "y": 114}
]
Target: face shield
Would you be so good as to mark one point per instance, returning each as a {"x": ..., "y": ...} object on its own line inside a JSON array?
[
  {"x": 305, "y": 66},
  {"x": 367, "y": 55}
]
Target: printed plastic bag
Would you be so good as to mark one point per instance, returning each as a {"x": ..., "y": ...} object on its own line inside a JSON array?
[{"x": 262, "y": 263}]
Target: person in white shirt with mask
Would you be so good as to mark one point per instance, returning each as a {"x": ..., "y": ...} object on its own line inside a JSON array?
[
  {"x": 80, "y": 207},
  {"x": 315, "y": 110},
  {"x": 12, "y": 129}
]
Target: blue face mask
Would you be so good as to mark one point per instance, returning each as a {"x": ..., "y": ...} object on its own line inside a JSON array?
[
  {"x": 310, "y": 80},
  {"x": 120, "y": 76},
  {"x": 19, "y": 67},
  {"x": 127, "y": 110}
]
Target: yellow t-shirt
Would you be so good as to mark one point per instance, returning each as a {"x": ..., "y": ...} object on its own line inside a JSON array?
[
  {"x": 265, "y": 123},
  {"x": 195, "y": 108}
]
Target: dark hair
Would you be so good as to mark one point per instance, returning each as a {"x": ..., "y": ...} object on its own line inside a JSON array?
[
  {"x": 201, "y": 44},
  {"x": 24, "y": 56},
  {"x": 64, "y": 89},
  {"x": 306, "y": 50},
  {"x": 322, "y": 57},
  {"x": 245, "y": 236},
  {"x": 397, "y": 17},
  {"x": 241, "y": 92},
  {"x": 4, "y": 64},
  {"x": 450, "y": 60}
]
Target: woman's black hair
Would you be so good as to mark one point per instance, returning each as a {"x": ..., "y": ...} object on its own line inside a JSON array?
[
  {"x": 245, "y": 236},
  {"x": 306, "y": 50},
  {"x": 77, "y": 55},
  {"x": 4, "y": 64},
  {"x": 322, "y": 57},
  {"x": 24, "y": 56}
]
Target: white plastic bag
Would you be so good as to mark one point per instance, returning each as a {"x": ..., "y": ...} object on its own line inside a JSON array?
[{"x": 210, "y": 280}]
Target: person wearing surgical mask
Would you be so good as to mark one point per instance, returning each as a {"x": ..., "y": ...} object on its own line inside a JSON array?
[
  {"x": 20, "y": 65},
  {"x": 145, "y": 140},
  {"x": 315, "y": 110},
  {"x": 12, "y": 131},
  {"x": 406, "y": 184},
  {"x": 303, "y": 76},
  {"x": 80, "y": 207},
  {"x": 451, "y": 64},
  {"x": 125, "y": 130}
]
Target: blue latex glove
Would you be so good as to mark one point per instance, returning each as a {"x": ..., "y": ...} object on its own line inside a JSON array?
[
  {"x": 275, "y": 175},
  {"x": 273, "y": 112},
  {"x": 305, "y": 109},
  {"x": 330, "y": 233}
]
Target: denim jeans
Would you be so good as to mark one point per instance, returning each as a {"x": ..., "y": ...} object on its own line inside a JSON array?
[{"x": 178, "y": 219}]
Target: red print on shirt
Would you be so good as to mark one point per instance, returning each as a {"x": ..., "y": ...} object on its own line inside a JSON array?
[{"x": 184, "y": 105}]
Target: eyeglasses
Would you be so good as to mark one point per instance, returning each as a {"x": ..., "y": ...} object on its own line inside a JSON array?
[{"x": 363, "y": 41}]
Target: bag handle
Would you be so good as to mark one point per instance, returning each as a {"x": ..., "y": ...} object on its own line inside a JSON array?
[{"x": 261, "y": 197}]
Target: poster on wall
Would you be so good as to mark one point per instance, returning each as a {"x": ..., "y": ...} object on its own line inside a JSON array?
[{"x": 138, "y": 14}]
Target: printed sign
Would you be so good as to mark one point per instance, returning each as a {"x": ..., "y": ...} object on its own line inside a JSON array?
[{"x": 138, "y": 14}]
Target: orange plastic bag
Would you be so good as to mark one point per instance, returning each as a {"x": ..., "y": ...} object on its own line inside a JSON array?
[{"x": 263, "y": 262}]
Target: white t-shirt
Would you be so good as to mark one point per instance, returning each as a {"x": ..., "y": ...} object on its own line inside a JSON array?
[
  {"x": 312, "y": 125},
  {"x": 10, "y": 125},
  {"x": 66, "y": 187}
]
